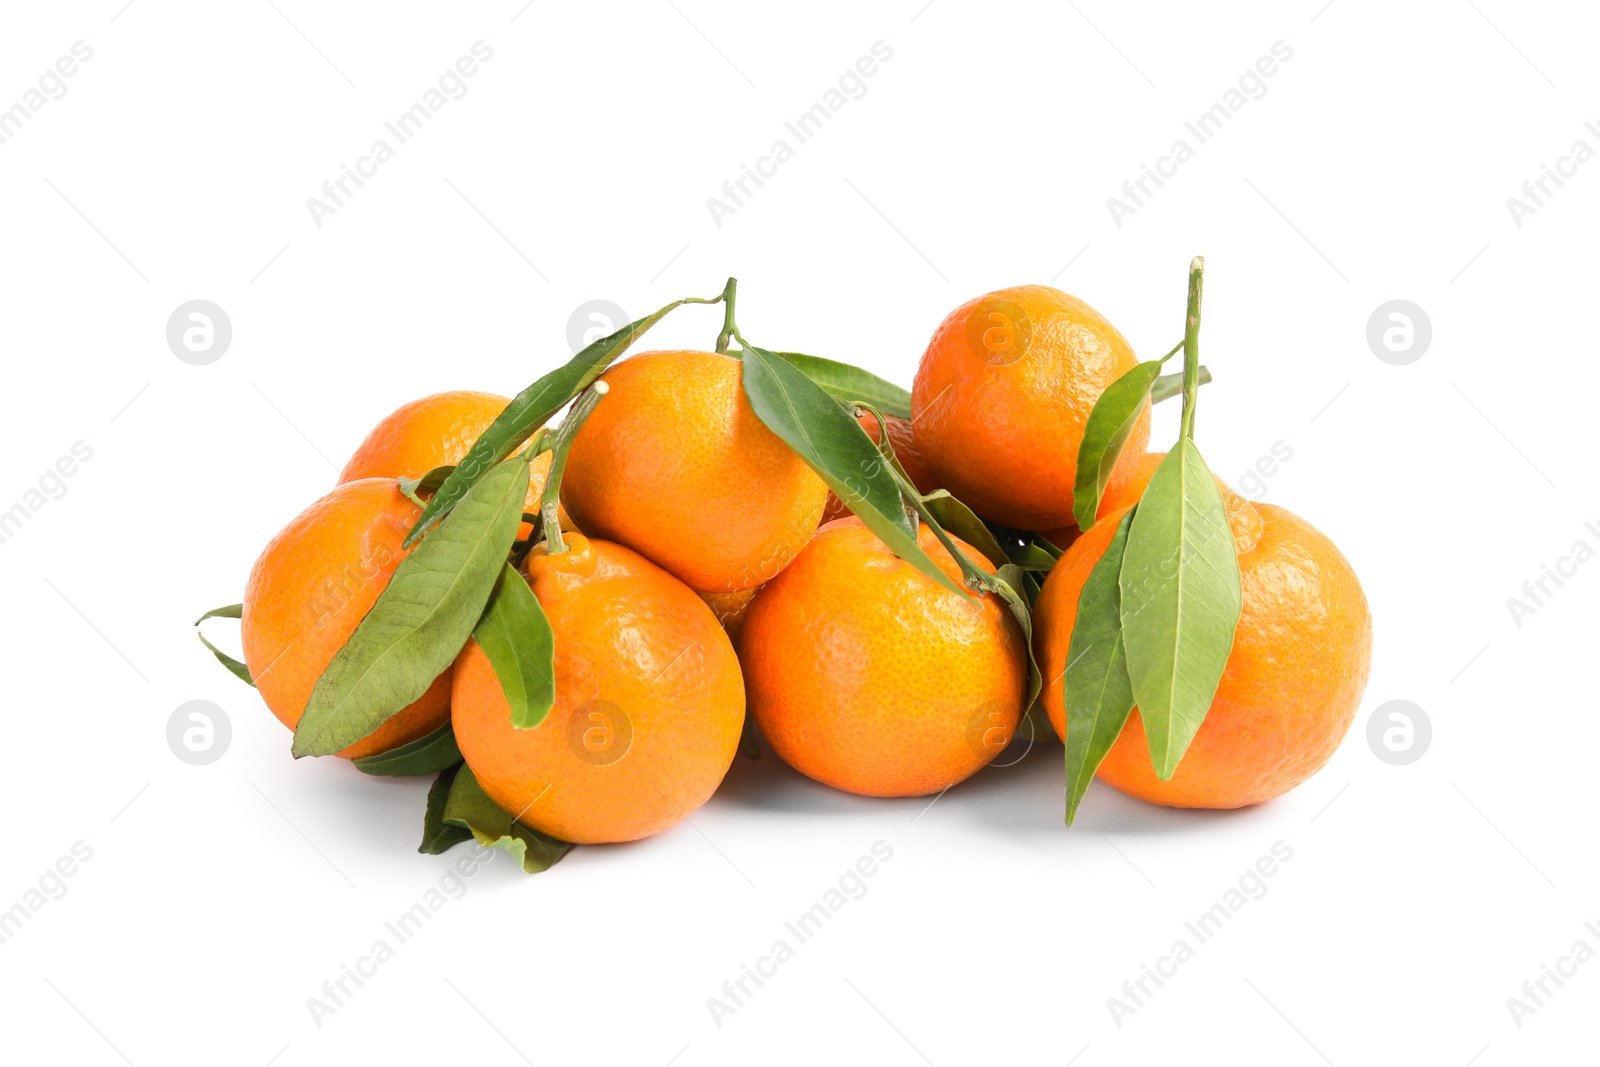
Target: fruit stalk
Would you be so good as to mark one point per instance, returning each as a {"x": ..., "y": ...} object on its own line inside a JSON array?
[
  {"x": 550, "y": 499},
  {"x": 729, "y": 328},
  {"x": 1191, "y": 346}
]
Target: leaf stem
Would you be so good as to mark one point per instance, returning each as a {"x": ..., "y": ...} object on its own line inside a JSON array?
[
  {"x": 974, "y": 577},
  {"x": 550, "y": 499},
  {"x": 729, "y": 329},
  {"x": 1191, "y": 346},
  {"x": 886, "y": 450}
]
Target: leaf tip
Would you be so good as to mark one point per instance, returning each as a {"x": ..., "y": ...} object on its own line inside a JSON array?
[
  {"x": 528, "y": 722},
  {"x": 305, "y": 745}
]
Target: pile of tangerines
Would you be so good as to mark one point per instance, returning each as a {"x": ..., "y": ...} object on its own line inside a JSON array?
[{"x": 567, "y": 625}]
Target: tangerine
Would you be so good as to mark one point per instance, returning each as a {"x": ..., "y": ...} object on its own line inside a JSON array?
[
  {"x": 312, "y": 586},
  {"x": 648, "y": 701},
  {"x": 1002, "y": 395},
  {"x": 677, "y": 466},
  {"x": 1301, "y": 654},
  {"x": 868, "y": 676}
]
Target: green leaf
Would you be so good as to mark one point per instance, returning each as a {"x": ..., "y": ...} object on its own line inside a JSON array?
[
  {"x": 421, "y": 619},
  {"x": 1170, "y": 385},
  {"x": 1034, "y": 557},
  {"x": 1011, "y": 579},
  {"x": 227, "y": 611},
  {"x": 470, "y": 808},
  {"x": 1180, "y": 602},
  {"x": 833, "y": 444},
  {"x": 1099, "y": 696},
  {"x": 958, "y": 519},
  {"x": 852, "y": 383},
  {"x": 428, "y": 754},
  {"x": 437, "y": 835},
  {"x": 516, "y": 636},
  {"x": 1110, "y": 422},
  {"x": 238, "y": 669},
  {"x": 531, "y": 409},
  {"x": 413, "y": 488}
]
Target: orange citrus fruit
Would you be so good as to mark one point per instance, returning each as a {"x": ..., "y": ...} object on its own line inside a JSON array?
[
  {"x": 905, "y": 450},
  {"x": 438, "y": 431},
  {"x": 866, "y": 675},
  {"x": 676, "y": 465},
  {"x": 1301, "y": 654},
  {"x": 648, "y": 702},
  {"x": 1002, "y": 395},
  {"x": 309, "y": 589}
]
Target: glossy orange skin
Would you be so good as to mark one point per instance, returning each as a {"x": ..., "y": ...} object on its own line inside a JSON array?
[
  {"x": 1002, "y": 395},
  {"x": 867, "y": 676},
  {"x": 1301, "y": 655},
  {"x": 676, "y": 465},
  {"x": 649, "y": 702},
  {"x": 312, "y": 586},
  {"x": 1118, "y": 496},
  {"x": 905, "y": 450},
  {"x": 438, "y": 431}
]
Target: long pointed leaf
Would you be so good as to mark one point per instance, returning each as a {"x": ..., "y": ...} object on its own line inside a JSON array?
[
  {"x": 1099, "y": 696},
  {"x": 420, "y": 620},
  {"x": 227, "y": 611},
  {"x": 1180, "y": 602},
  {"x": 529, "y": 410},
  {"x": 235, "y": 667},
  {"x": 833, "y": 444},
  {"x": 1110, "y": 422},
  {"x": 852, "y": 383},
  {"x": 515, "y": 634}
]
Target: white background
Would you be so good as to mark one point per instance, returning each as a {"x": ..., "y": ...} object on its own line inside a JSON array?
[{"x": 577, "y": 167}]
